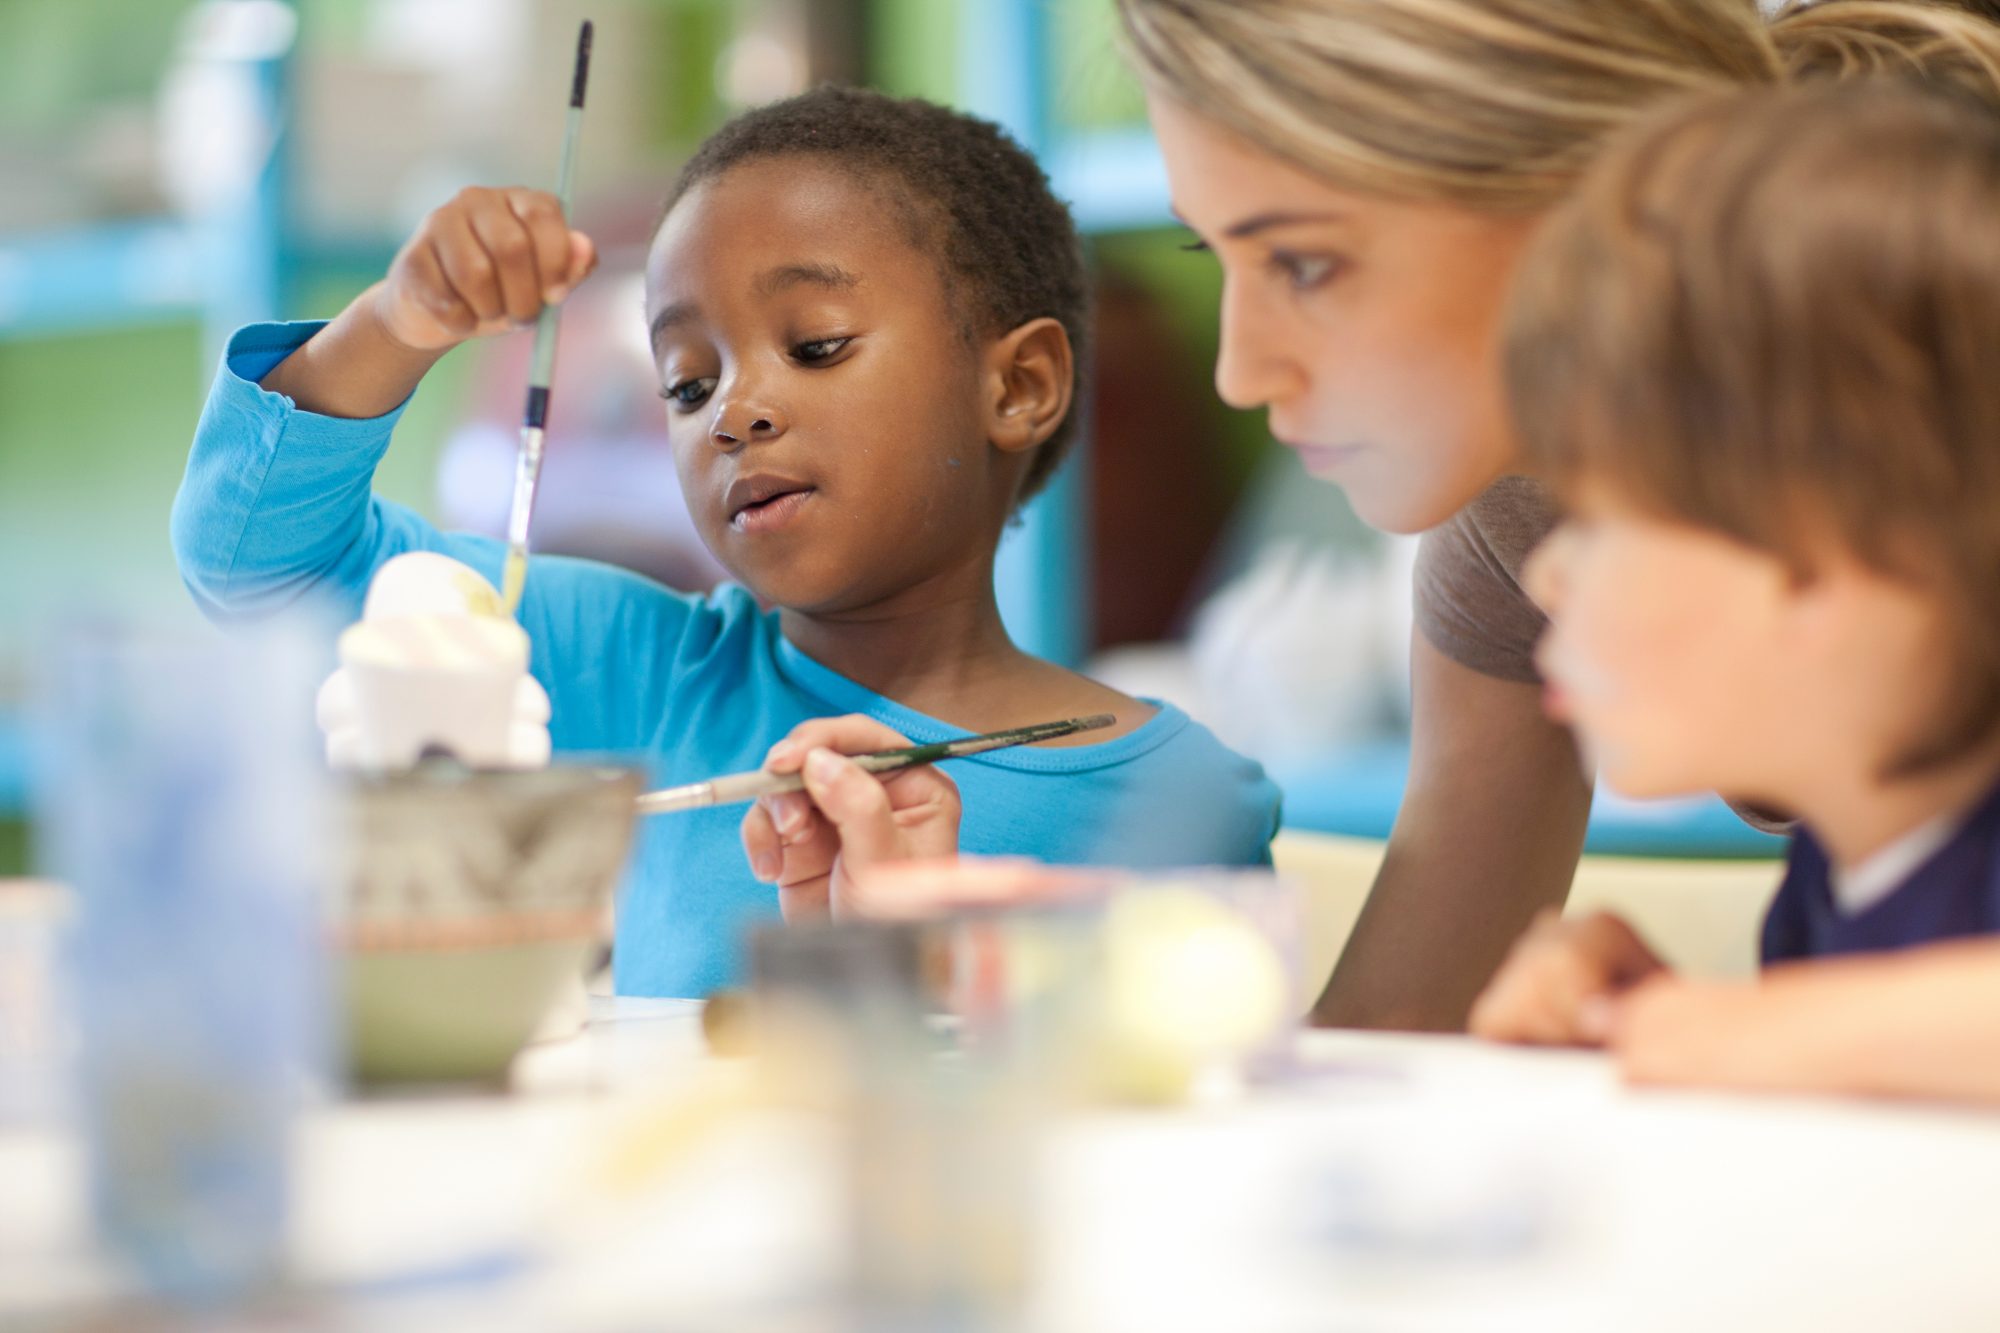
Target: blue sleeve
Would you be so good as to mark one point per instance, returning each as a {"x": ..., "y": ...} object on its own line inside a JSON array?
[
  {"x": 276, "y": 509},
  {"x": 275, "y": 506}
]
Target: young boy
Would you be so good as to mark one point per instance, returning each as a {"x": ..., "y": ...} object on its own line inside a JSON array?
[
  {"x": 866, "y": 316},
  {"x": 1757, "y": 354}
]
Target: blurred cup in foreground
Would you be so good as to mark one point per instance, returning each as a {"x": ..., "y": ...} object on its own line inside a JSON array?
[{"x": 180, "y": 797}]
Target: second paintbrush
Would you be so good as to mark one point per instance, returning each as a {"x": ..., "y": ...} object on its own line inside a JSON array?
[{"x": 738, "y": 788}]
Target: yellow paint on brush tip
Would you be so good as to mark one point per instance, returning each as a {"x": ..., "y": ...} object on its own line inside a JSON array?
[
  {"x": 480, "y": 599},
  {"x": 513, "y": 581}
]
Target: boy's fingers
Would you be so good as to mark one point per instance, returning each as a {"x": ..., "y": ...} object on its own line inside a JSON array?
[
  {"x": 760, "y": 844},
  {"x": 1539, "y": 992},
  {"x": 856, "y": 805},
  {"x": 425, "y": 283},
  {"x": 789, "y": 812},
  {"x": 1617, "y": 954},
  {"x": 1507, "y": 1009},
  {"x": 466, "y": 265},
  {"x": 582, "y": 263},
  {"x": 548, "y": 235},
  {"x": 809, "y": 900},
  {"x": 511, "y": 251},
  {"x": 801, "y": 873}
]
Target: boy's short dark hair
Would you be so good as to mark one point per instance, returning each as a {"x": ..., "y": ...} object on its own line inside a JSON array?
[
  {"x": 976, "y": 200},
  {"x": 1774, "y": 315}
]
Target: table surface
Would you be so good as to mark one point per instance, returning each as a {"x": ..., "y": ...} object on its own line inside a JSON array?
[{"x": 1388, "y": 1183}]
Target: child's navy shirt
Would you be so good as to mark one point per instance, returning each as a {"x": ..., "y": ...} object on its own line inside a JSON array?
[{"x": 1954, "y": 892}]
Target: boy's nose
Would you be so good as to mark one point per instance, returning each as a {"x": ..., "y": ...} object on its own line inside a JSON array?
[
  {"x": 741, "y": 423},
  {"x": 1544, "y": 576}
]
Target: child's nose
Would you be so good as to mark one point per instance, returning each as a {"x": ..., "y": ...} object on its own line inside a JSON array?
[
  {"x": 741, "y": 423},
  {"x": 1544, "y": 574}
]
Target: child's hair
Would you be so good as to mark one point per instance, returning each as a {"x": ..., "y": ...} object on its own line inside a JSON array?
[
  {"x": 967, "y": 193},
  {"x": 1774, "y": 315},
  {"x": 1495, "y": 104}
]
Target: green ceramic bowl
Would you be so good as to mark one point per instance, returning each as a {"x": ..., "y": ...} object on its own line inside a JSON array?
[{"x": 470, "y": 900}]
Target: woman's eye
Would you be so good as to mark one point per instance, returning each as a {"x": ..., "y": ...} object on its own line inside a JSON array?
[
  {"x": 1303, "y": 273},
  {"x": 819, "y": 349},
  {"x": 689, "y": 394}
]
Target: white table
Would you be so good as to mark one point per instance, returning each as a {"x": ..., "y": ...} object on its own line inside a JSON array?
[{"x": 1334, "y": 1202}]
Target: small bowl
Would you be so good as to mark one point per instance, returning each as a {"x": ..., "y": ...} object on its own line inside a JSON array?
[{"x": 470, "y": 899}]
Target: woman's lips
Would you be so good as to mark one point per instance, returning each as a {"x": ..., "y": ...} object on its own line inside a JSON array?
[
  {"x": 1321, "y": 459},
  {"x": 772, "y": 514}
]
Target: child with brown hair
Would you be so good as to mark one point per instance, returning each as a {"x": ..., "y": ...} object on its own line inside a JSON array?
[{"x": 1755, "y": 355}]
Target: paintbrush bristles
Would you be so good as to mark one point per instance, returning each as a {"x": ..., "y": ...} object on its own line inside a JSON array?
[{"x": 582, "y": 66}]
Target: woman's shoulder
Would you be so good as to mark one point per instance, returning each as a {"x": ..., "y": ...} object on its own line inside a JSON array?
[
  {"x": 1505, "y": 523},
  {"x": 1470, "y": 602}
]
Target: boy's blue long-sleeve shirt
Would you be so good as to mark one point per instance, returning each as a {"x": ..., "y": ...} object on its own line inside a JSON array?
[{"x": 277, "y": 508}]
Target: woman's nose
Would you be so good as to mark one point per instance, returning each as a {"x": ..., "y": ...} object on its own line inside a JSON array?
[{"x": 1252, "y": 369}]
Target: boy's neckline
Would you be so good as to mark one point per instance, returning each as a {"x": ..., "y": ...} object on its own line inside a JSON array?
[
  {"x": 1871, "y": 881},
  {"x": 1876, "y": 878},
  {"x": 1882, "y": 819},
  {"x": 843, "y": 695}
]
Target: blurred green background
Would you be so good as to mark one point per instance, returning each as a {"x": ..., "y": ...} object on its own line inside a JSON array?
[{"x": 96, "y": 413}]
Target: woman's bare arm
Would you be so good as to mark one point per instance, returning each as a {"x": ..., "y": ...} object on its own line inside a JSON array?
[{"x": 1489, "y": 833}]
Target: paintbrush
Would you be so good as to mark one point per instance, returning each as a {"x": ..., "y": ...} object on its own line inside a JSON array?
[
  {"x": 737, "y": 788},
  {"x": 528, "y": 469}
]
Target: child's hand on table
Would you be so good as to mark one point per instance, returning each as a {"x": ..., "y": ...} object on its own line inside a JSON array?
[
  {"x": 823, "y": 846},
  {"x": 1921, "y": 1023},
  {"x": 1559, "y": 984},
  {"x": 1720, "y": 1033}
]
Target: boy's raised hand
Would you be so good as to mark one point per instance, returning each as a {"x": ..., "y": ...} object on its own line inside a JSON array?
[
  {"x": 1556, "y": 986},
  {"x": 486, "y": 262},
  {"x": 823, "y": 846}
]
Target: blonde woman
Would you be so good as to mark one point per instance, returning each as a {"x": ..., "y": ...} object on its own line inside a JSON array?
[{"x": 1367, "y": 173}]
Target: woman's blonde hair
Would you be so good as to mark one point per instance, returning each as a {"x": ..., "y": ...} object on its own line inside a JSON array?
[
  {"x": 1773, "y": 315},
  {"x": 1500, "y": 104}
]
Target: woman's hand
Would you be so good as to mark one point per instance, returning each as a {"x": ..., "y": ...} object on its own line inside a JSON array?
[
  {"x": 823, "y": 846},
  {"x": 1558, "y": 986}
]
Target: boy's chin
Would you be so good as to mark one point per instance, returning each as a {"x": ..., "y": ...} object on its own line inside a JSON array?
[
  {"x": 797, "y": 590},
  {"x": 1638, "y": 778}
]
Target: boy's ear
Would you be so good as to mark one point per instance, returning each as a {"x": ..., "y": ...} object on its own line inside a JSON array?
[{"x": 1030, "y": 377}]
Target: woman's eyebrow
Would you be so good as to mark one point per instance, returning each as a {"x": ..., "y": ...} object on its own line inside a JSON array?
[
  {"x": 1250, "y": 226},
  {"x": 807, "y": 273}
]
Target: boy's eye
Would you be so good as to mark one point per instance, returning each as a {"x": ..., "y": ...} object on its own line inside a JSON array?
[
  {"x": 1197, "y": 246},
  {"x": 689, "y": 394},
  {"x": 819, "y": 349}
]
